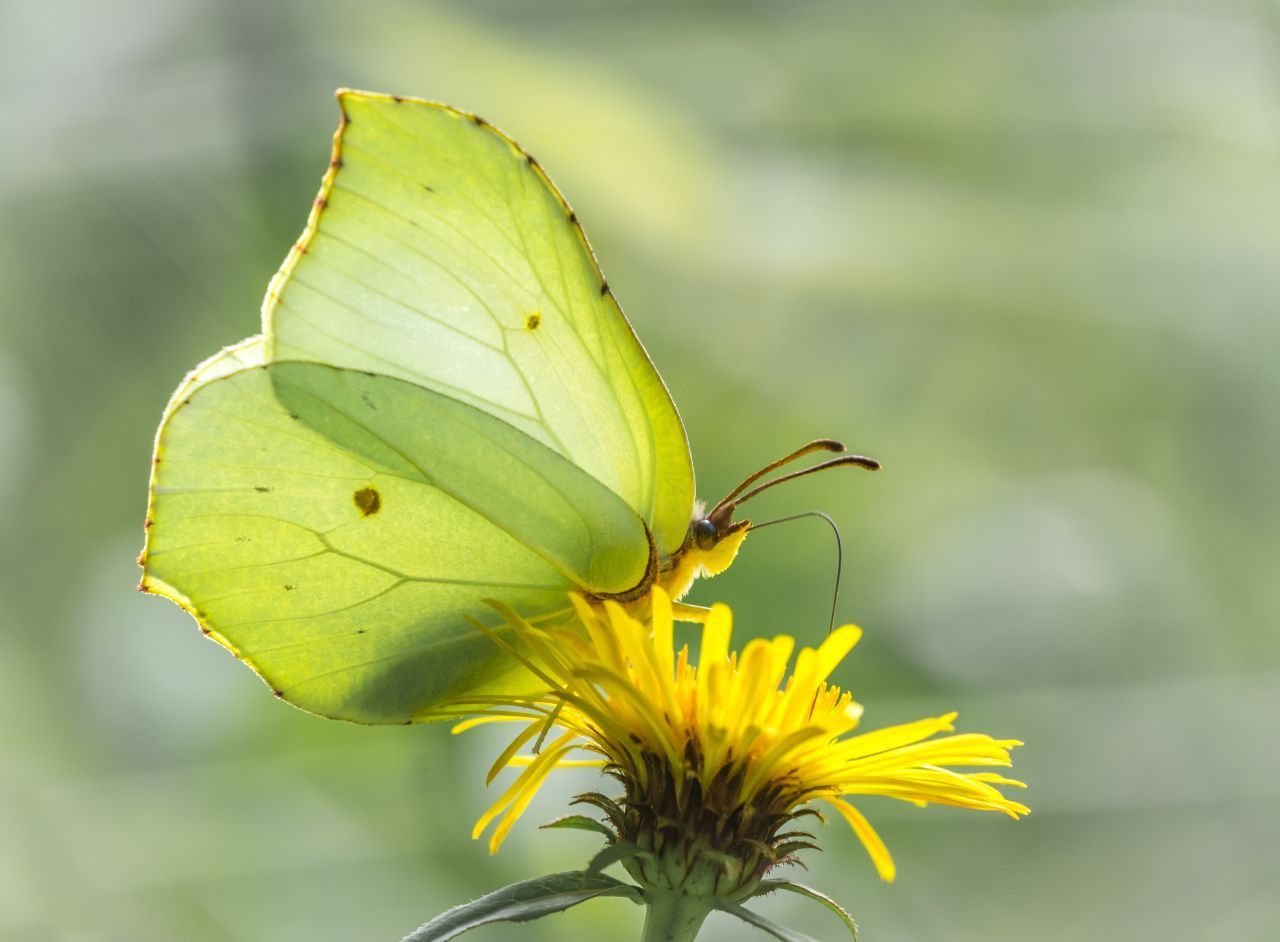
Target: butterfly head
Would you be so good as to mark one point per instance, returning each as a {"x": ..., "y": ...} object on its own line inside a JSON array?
[
  {"x": 704, "y": 534},
  {"x": 708, "y": 550},
  {"x": 713, "y": 543},
  {"x": 714, "y": 537}
]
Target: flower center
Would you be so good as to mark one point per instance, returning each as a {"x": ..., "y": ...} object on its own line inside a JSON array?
[{"x": 702, "y": 840}]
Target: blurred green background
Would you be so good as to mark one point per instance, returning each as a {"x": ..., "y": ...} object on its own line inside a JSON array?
[{"x": 1025, "y": 253}]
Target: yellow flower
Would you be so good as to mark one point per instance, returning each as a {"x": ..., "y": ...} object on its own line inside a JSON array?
[{"x": 716, "y": 760}]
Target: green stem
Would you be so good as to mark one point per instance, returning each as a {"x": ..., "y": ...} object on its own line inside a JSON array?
[{"x": 673, "y": 917}]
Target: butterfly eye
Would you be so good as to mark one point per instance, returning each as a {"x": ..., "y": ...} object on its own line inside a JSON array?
[{"x": 705, "y": 534}]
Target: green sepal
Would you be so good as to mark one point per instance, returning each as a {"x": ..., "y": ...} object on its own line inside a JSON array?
[
  {"x": 580, "y": 822},
  {"x": 729, "y": 865},
  {"x": 622, "y": 850},
  {"x": 612, "y": 810},
  {"x": 762, "y": 848},
  {"x": 788, "y": 848},
  {"x": 794, "y": 835},
  {"x": 768, "y": 886},
  {"x": 765, "y": 925},
  {"x": 524, "y": 901}
]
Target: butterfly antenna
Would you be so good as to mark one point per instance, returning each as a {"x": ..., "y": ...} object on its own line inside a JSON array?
[
  {"x": 835, "y": 595},
  {"x": 725, "y": 508},
  {"x": 819, "y": 444}
]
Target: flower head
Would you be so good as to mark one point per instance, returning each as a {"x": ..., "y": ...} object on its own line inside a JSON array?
[{"x": 717, "y": 760}]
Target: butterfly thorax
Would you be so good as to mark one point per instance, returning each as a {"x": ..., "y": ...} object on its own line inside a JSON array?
[{"x": 703, "y": 553}]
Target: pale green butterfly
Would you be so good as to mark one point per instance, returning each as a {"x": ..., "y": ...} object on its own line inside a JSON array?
[{"x": 445, "y": 405}]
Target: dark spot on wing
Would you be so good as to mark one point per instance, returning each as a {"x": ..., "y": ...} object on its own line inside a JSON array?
[
  {"x": 289, "y": 586},
  {"x": 336, "y": 163},
  {"x": 279, "y": 694},
  {"x": 367, "y": 500},
  {"x": 242, "y": 539},
  {"x": 368, "y": 400},
  {"x": 261, "y": 489},
  {"x": 573, "y": 218},
  {"x": 604, "y": 288},
  {"x": 479, "y": 121},
  {"x": 397, "y": 99},
  {"x": 429, "y": 189},
  {"x": 361, "y": 631},
  {"x": 531, "y": 160},
  {"x": 533, "y": 321},
  {"x": 321, "y": 202},
  {"x": 148, "y": 524},
  {"x": 293, "y": 415}
]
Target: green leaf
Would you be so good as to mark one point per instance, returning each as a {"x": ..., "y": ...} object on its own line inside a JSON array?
[
  {"x": 580, "y": 822},
  {"x": 768, "y": 886},
  {"x": 524, "y": 901},
  {"x": 755, "y": 919}
]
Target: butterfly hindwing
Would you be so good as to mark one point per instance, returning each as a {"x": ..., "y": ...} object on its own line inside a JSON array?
[{"x": 337, "y": 529}]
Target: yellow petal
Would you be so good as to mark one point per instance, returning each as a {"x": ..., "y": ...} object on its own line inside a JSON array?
[
  {"x": 713, "y": 655},
  {"x": 715, "y": 635},
  {"x": 520, "y": 792},
  {"x": 663, "y": 626},
  {"x": 870, "y": 839},
  {"x": 539, "y": 769},
  {"x": 835, "y": 648},
  {"x": 473, "y": 722}
]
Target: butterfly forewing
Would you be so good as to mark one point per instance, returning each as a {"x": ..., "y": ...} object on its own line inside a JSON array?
[{"x": 438, "y": 252}]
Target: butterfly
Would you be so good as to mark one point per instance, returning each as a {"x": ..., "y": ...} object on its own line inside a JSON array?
[{"x": 446, "y": 405}]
